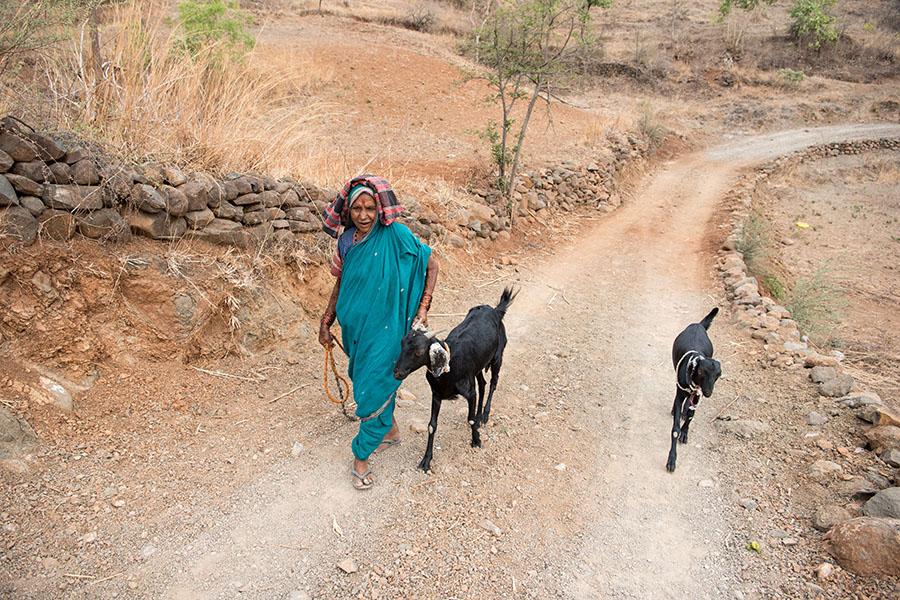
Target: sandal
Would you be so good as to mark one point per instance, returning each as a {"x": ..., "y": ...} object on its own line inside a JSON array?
[
  {"x": 363, "y": 481},
  {"x": 387, "y": 444}
]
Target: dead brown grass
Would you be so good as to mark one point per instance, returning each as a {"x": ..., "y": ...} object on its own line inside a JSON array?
[{"x": 210, "y": 113}]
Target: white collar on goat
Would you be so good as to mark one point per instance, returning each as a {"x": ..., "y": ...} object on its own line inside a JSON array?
[{"x": 691, "y": 387}]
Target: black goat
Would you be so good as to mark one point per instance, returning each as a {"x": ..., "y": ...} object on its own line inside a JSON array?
[
  {"x": 696, "y": 372},
  {"x": 457, "y": 363}
]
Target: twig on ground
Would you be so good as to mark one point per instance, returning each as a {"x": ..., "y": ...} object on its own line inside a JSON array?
[
  {"x": 230, "y": 375},
  {"x": 287, "y": 393},
  {"x": 105, "y": 578},
  {"x": 482, "y": 285},
  {"x": 76, "y": 576},
  {"x": 727, "y": 406},
  {"x": 293, "y": 547}
]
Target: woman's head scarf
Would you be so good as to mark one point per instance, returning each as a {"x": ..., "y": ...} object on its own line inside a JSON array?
[{"x": 337, "y": 214}]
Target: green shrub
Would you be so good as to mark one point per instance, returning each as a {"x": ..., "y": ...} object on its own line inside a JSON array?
[
  {"x": 791, "y": 76},
  {"x": 754, "y": 241},
  {"x": 813, "y": 24},
  {"x": 650, "y": 126},
  {"x": 816, "y": 302},
  {"x": 214, "y": 24},
  {"x": 775, "y": 287}
]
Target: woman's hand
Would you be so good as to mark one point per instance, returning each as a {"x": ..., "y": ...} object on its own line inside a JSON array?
[
  {"x": 325, "y": 337},
  {"x": 421, "y": 317}
]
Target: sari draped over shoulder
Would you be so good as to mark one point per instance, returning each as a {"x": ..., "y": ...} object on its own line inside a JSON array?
[{"x": 381, "y": 286}]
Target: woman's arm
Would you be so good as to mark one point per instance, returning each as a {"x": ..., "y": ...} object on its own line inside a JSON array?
[
  {"x": 325, "y": 337},
  {"x": 431, "y": 275}
]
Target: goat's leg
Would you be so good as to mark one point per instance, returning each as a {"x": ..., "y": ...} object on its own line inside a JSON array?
[
  {"x": 425, "y": 464},
  {"x": 474, "y": 423},
  {"x": 481, "y": 385},
  {"x": 676, "y": 429},
  {"x": 495, "y": 375},
  {"x": 688, "y": 417}
]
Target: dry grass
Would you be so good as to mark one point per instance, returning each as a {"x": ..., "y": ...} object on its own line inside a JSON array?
[{"x": 153, "y": 102}]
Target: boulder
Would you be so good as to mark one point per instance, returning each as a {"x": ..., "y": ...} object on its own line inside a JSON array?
[
  {"x": 47, "y": 149},
  {"x": 230, "y": 189},
  {"x": 275, "y": 213},
  {"x": 837, "y": 387},
  {"x": 876, "y": 415},
  {"x": 891, "y": 456},
  {"x": 57, "y": 225},
  {"x": 176, "y": 201},
  {"x": 304, "y": 227},
  {"x": 73, "y": 155},
  {"x": 822, "y": 374},
  {"x": 8, "y": 195},
  {"x": 227, "y": 210},
  {"x": 199, "y": 219},
  {"x": 256, "y": 217},
  {"x": 823, "y": 469},
  {"x": 281, "y": 224},
  {"x": 855, "y": 487},
  {"x": 24, "y": 185},
  {"x": 6, "y": 162},
  {"x": 84, "y": 172},
  {"x": 147, "y": 199},
  {"x": 15, "y": 433},
  {"x": 173, "y": 176},
  {"x": 157, "y": 226},
  {"x": 17, "y": 146},
  {"x": 35, "y": 170},
  {"x": 73, "y": 197},
  {"x": 245, "y": 199},
  {"x": 867, "y": 546},
  {"x": 215, "y": 194},
  {"x": 34, "y": 205},
  {"x": 270, "y": 199},
  {"x": 815, "y": 359},
  {"x": 883, "y": 437},
  {"x": 222, "y": 231},
  {"x": 196, "y": 193},
  {"x": 60, "y": 173},
  {"x": 885, "y": 503},
  {"x": 298, "y": 214},
  {"x": 815, "y": 419},
  {"x": 290, "y": 199},
  {"x": 830, "y": 515},
  {"x": 106, "y": 224},
  {"x": 18, "y": 224},
  {"x": 860, "y": 399}
]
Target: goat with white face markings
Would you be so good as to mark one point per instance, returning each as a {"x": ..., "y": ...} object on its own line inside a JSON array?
[
  {"x": 696, "y": 372},
  {"x": 457, "y": 363}
]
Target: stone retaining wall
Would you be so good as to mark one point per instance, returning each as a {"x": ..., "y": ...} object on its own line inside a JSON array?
[
  {"x": 52, "y": 191},
  {"x": 763, "y": 318}
]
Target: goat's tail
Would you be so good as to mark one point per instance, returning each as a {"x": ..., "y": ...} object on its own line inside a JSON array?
[
  {"x": 506, "y": 298},
  {"x": 708, "y": 319}
]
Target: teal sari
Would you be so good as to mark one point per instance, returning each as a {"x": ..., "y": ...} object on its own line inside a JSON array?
[{"x": 382, "y": 282}]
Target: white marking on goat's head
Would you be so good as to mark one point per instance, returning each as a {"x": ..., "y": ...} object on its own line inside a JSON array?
[{"x": 439, "y": 359}]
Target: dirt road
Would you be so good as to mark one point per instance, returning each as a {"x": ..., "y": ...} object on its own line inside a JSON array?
[{"x": 569, "y": 496}]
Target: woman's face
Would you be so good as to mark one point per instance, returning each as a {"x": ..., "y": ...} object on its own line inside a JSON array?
[{"x": 363, "y": 213}]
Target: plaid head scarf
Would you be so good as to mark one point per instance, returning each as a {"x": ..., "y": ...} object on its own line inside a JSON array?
[{"x": 337, "y": 214}]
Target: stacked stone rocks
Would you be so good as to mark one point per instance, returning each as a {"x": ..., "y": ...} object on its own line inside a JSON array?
[
  {"x": 763, "y": 318},
  {"x": 55, "y": 191}
]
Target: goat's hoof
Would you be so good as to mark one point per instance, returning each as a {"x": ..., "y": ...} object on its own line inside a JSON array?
[
  {"x": 670, "y": 466},
  {"x": 476, "y": 443},
  {"x": 425, "y": 465},
  {"x": 683, "y": 437},
  {"x": 484, "y": 419}
]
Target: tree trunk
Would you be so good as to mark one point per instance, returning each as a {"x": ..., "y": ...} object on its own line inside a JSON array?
[{"x": 519, "y": 143}]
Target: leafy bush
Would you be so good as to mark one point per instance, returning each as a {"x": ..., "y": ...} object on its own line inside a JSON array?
[
  {"x": 791, "y": 77},
  {"x": 775, "y": 287},
  {"x": 813, "y": 24},
  {"x": 816, "y": 302},
  {"x": 217, "y": 24},
  {"x": 754, "y": 241},
  {"x": 650, "y": 126},
  {"x": 726, "y": 6},
  {"x": 35, "y": 25}
]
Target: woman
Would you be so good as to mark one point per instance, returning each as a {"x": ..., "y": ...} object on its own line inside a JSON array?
[{"x": 385, "y": 279}]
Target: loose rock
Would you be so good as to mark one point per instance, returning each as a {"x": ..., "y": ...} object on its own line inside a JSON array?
[
  {"x": 867, "y": 546},
  {"x": 885, "y": 503}
]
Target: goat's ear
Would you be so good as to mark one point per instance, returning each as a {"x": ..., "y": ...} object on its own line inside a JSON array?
[
  {"x": 439, "y": 359},
  {"x": 418, "y": 326}
]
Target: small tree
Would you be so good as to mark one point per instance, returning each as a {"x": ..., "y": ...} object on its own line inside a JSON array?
[
  {"x": 813, "y": 24},
  {"x": 726, "y": 6},
  {"x": 207, "y": 23},
  {"x": 36, "y": 24},
  {"x": 526, "y": 45}
]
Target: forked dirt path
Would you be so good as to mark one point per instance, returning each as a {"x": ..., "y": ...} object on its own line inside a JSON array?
[{"x": 572, "y": 472}]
